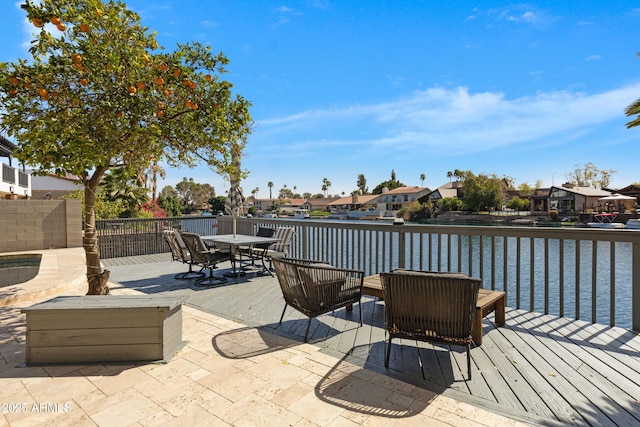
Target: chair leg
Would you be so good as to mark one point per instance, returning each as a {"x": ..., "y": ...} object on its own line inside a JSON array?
[
  {"x": 386, "y": 358},
  {"x": 210, "y": 280},
  {"x": 360, "y": 310},
  {"x": 188, "y": 275},
  {"x": 420, "y": 361},
  {"x": 469, "y": 361},
  {"x": 282, "y": 317},
  {"x": 307, "y": 332}
]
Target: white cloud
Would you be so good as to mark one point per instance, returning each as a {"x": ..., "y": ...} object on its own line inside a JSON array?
[
  {"x": 521, "y": 14},
  {"x": 209, "y": 24},
  {"x": 449, "y": 121}
]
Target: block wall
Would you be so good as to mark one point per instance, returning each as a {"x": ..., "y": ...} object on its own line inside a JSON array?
[{"x": 40, "y": 224}]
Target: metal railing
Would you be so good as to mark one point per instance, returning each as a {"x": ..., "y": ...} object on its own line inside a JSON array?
[
  {"x": 123, "y": 237},
  {"x": 8, "y": 174},
  {"x": 589, "y": 274}
]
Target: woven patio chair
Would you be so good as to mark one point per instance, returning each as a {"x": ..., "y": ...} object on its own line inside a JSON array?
[
  {"x": 279, "y": 249},
  {"x": 180, "y": 252},
  {"x": 257, "y": 251},
  {"x": 206, "y": 258},
  {"x": 430, "y": 306},
  {"x": 315, "y": 288}
]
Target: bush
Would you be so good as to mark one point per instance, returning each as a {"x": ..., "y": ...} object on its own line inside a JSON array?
[
  {"x": 451, "y": 204},
  {"x": 518, "y": 204},
  {"x": 152, "y": 210}
]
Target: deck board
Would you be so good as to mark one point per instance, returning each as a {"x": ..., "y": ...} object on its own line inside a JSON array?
[{"x": 537, "y": 368}]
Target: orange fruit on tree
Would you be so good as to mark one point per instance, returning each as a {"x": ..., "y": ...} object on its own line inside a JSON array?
[
  {"x": 77, "y": 66},
  {"x": 37, "y": 22},
  {"x": 61, "y": 27},
  {"x": 84, "y": 82},
  {"x": 207, "y": 77},
  {"x": 164, "y": 67},
  {"x": 43, "y": 94},
  {"x": 187, "y": 104},
  {"x": 141, "y": 85},
  {"x": 14, "y": 81},
  {"x": 160, "y": 113},
  {"x": 76, "y": 58},
  {"x": 54, "y": 20},
  {"x": 132, "y": 89},
  {"x": 98, "y": 13},
  {"x": 13, "y": 92},
  {"x": 194, "y": 106},
  {"x": 176, "y": 72},
  {"x": 160, "y": 105},
  {"x": 84, "y": 27},
  {"x": 159, "y": 81}
]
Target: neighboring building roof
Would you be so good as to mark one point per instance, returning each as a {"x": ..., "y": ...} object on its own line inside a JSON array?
[
  {"x": 51, "y": 182},
  {"x": 296, "y": 202},
  {"x": 6, "y": 147},
  {"x": 541, "y": 193},
  {"x": 450, "y": 185},
  {"x": 447, "y": 192},
  {"x": 630, "y": 190},
  {"x": 321, "y": 201},
  {"x": 407, "y": 190},
  {"x": 355, "y": 200},
  {"x": 583, "y": 191}
]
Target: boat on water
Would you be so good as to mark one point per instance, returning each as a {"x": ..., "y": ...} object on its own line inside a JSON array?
[
  {"x": 633, "y": 224},
  {"x": 301, "y": 214},
  {"x": 605, "y": 225}
]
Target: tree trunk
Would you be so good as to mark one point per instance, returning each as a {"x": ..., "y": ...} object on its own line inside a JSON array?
[{"x": 98, "y": 280}]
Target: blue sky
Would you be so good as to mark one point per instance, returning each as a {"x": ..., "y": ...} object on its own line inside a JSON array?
[{"x": 341, "y": 88}]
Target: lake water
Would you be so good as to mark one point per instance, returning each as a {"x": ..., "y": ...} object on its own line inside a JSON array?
[
  {"x": 560, "y": 301},
  {"x": 600, "y": 291}
]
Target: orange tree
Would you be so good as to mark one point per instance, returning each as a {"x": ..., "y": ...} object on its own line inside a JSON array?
[{"x": 100, "y": 93}]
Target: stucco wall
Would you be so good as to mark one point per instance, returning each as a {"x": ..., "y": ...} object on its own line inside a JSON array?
[{"x": 40, "y": 224}]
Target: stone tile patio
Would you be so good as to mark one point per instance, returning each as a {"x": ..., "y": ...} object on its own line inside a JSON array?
[{"x": 227, "y": 374}]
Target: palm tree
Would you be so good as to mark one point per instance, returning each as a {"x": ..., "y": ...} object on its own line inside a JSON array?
[
  {"x": 449, "y": 175},
  {"x": 325, "y": 186},
  {"x": 422, "y": 178},
  {"x": 270, "y": 185},
  {"x": 156, "y": 170},
  {"x": 122, "y": 184}
]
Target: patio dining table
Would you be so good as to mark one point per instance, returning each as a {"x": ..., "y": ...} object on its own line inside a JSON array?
[{"x": 236, "y": 240}]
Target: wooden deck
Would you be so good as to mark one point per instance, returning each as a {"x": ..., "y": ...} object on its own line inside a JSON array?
[{"x": 539, "y": 369}]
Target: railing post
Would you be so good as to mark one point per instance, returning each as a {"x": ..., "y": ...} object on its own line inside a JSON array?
[
  {"x": 402, "y": 240},
  {"x": 635, "y": 285}
]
